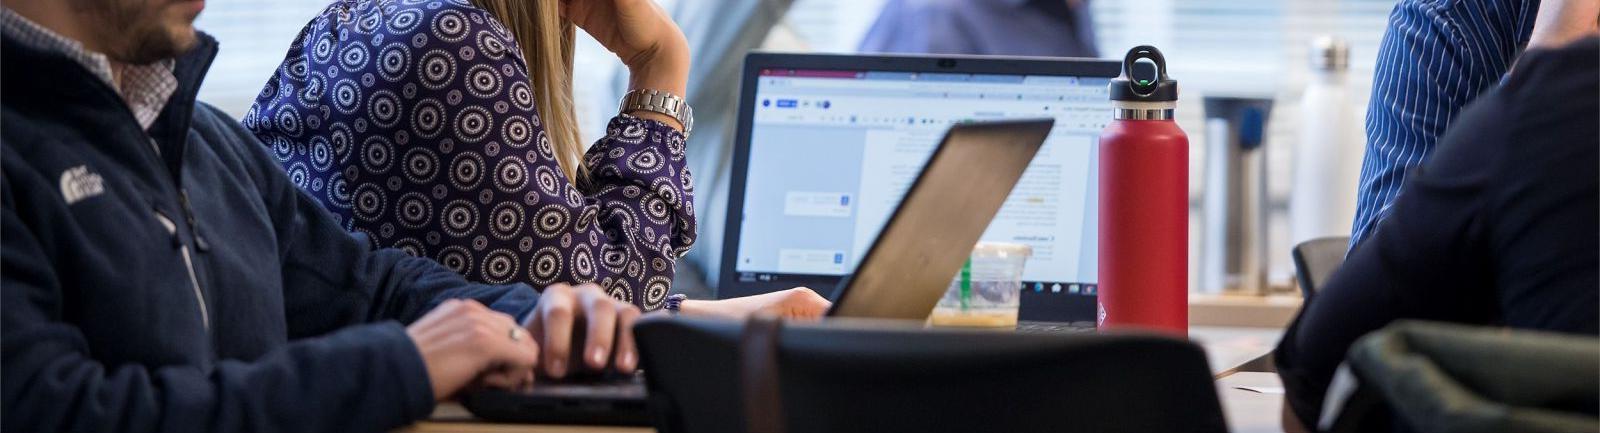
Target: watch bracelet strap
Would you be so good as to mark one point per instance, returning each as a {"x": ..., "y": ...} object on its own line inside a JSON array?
[{"x": 656, "y": 101}]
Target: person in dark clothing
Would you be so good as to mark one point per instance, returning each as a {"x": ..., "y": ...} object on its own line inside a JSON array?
[
  {"x": 160, "y": 272},
  {"x": 1057, "y": 28},
  {"x": 1497, "y": 228},
  {"x": 1437, "y": 56}
]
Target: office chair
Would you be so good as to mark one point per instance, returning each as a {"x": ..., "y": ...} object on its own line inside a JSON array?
[
  {"x": 1438, "y": 377},
  {"x": 1315, "y": 260},
  {"x": 853, "y": 376}
]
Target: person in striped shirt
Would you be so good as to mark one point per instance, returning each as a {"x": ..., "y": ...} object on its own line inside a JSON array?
[{"x": 1437, "y": 56}]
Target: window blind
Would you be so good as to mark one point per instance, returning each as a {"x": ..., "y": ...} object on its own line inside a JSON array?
[{"x": 254, "y": 35}]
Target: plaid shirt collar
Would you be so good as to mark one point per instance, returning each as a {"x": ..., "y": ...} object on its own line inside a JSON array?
[{"x": 145, "y": 88}]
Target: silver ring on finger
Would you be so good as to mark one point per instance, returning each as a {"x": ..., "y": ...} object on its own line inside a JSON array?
[{"x": 517, "y": 333}]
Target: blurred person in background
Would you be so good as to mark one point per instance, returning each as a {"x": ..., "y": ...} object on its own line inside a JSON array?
[
  {"x": 446, "y": 129},
  {"x": 1436, "y": 57},
  {"x": 1057, "y": 28}
]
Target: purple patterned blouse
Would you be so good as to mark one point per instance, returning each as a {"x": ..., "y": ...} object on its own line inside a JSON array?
[{"x": 413, "y": 121}]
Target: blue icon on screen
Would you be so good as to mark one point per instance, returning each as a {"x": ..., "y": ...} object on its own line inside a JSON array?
[
  {"x": 844, "y": 200},
  {"x": 838, "y": 258},
  {"x": 827, "y": 104},
  {"x": 766, "y": 102},
  {"x": 1038, "y": 287}
]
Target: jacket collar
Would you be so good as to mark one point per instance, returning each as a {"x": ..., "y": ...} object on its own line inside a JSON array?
[
  {"x": 47, "y": 85},
  {"x": 50, "y": 83}
]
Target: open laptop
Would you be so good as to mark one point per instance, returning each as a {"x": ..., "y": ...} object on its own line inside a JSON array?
[
  {"x": 930, "y": 234},
  {"x": 954, "y": 189},
  {"x": 867, "y": 123}
]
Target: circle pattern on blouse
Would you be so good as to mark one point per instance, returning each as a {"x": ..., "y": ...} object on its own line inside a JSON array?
[{"x": 414, "y": 122}]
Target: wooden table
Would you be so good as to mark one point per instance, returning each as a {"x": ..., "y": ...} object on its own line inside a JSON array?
[
  {"x": 1242, "y": 310},
  {"x": 1226, "y": 349},
  {"x": 1229, "y": 347},
  {"x": 452, "y": 418}
]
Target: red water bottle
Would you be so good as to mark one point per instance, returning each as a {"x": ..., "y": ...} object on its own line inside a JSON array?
[{"x": 1144, "y": 202}]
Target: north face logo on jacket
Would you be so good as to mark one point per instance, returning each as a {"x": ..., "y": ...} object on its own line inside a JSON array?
[{"x": 79, "y": 183}]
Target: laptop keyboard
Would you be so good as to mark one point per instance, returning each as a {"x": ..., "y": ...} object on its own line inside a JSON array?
[
  {"x": 614, "y": 387},
  {"x": 1055, "y": 327}
]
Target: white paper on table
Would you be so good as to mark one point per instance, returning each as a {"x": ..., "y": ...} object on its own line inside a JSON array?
[{"x": 1262, "y": 389}]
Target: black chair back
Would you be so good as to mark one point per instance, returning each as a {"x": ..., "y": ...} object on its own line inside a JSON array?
[
  {"x": 1316, "y": 259},
  {"x": 871, "y": 377}
]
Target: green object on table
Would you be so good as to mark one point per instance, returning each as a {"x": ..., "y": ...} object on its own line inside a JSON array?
[{"x": 966, "y": 284}]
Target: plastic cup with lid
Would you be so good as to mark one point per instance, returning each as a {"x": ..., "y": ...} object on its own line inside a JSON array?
[{"x": 988, "y": 289}]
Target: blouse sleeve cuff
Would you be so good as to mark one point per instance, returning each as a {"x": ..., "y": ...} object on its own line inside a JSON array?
[
  {"x": 629, "y": 136},
  {"x": 624, "y": 120}
]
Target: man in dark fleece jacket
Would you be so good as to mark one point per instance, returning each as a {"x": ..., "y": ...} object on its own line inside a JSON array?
[{"x": 161, "y": 273}]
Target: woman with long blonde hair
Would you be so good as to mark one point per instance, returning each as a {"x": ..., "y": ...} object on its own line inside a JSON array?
[{"x": 445, "y": 128}]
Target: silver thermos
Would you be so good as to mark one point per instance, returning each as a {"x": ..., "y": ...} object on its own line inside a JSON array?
[{"x": 1233, "y": 241}]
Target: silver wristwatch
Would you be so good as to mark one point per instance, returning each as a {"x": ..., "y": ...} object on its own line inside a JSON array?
[{"x": 660, "y": 102}]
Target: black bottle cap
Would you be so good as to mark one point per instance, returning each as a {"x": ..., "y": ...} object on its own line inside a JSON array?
[{"x": 1153, "y": 87}]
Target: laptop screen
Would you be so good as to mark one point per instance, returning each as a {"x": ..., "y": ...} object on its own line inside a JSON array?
[{"x": 831, "y": 152}]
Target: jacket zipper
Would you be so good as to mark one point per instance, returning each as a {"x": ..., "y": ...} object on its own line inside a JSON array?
[
  {"x": 183, "y": 247},
  {"x": 188, "y": 264}
]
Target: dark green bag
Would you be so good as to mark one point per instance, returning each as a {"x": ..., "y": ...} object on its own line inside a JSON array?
[{"x": 1438, "y": 377}]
